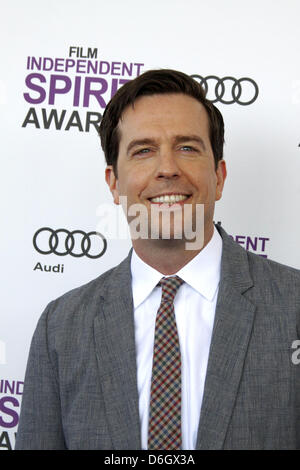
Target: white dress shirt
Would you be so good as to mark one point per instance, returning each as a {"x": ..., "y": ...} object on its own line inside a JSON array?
[{"x": 194, "y": 304}]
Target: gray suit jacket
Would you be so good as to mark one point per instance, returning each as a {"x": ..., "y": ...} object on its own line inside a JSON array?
[{"x": 81, "y": 382}]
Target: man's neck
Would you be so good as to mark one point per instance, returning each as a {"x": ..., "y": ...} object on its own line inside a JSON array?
[{"x": 167, "y": 256}]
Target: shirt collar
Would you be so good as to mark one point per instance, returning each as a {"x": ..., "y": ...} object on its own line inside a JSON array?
[{"x": 202, "y": 273}]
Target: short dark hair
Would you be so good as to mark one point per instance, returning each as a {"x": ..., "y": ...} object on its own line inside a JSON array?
[{"x": 153, "y": 82}]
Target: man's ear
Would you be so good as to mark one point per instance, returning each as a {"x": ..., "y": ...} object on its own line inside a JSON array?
[
  {"x": 112, "y": 182},
  {"x": 221, "y": 173}
]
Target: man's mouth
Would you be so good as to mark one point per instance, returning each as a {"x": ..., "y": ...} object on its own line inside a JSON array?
[{"x": 169, "y": 198}]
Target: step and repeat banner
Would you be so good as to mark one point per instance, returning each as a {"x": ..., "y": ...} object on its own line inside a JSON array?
[{"x": 61, "y": 62}]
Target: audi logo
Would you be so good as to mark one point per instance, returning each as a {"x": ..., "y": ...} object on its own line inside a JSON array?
[
  {"x": 228, "y": 90},
  {"x": 62, "y": 242}
]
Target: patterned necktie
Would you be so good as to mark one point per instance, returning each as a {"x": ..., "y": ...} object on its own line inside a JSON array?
[{"x": 165, "y": 403}]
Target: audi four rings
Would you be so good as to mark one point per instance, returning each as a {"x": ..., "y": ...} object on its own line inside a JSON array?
[
  {"x": 219, "y": 87},
  {"x": 63, "y": 235}
]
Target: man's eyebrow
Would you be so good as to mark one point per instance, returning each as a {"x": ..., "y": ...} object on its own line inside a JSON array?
[
  {"x": 179, "y": 139},
  {"x": 136, "y": 142}
]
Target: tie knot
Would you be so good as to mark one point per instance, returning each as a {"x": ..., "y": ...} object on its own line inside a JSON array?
[{"x": 170, "y": 286}]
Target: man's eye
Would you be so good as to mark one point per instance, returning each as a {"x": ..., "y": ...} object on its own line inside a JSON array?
[
  {"x": 142, "y": 151},
  {"x": 187, "y": 148}
]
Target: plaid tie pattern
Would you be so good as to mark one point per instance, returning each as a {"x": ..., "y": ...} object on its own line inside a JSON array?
[{"x": 164, "y": 431}]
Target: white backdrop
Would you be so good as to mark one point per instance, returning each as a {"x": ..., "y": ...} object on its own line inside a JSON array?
[{"x": 55, "y": 177}]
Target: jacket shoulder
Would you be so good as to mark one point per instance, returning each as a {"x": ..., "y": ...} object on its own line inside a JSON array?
[
  {"x": 78, "y": 307},
  {"x": 85, "y": 292},
  {"x": 274, "y": 284},
  {"x": 261, "y": 267}
]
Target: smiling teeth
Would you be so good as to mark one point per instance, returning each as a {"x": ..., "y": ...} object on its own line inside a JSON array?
[{"x": 171, "y": 198}]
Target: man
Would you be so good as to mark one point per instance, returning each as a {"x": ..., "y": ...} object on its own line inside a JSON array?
[{"x": 179, "y": 346}]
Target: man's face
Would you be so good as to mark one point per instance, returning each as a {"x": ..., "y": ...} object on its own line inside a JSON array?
[{"x": 165, "y": 150}]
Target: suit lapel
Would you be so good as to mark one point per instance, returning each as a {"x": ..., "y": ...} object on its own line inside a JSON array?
[
  {"x": 115, "y": 347},
  {"x": 232, "y": 330}
]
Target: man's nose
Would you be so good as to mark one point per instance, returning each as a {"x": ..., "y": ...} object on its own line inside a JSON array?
[{"x": 167, "y": 165}]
